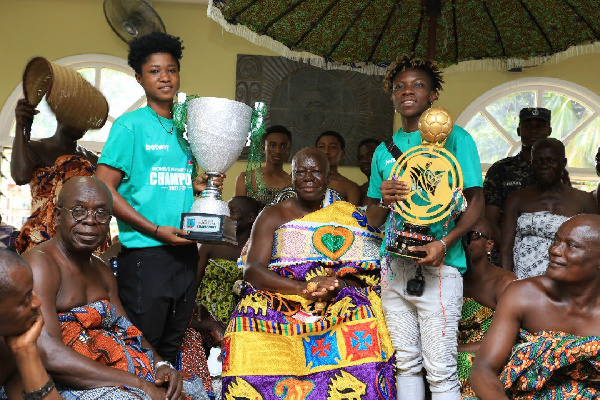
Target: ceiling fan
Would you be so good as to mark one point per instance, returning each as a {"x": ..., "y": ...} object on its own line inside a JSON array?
[{"x": 130, "y": 19}]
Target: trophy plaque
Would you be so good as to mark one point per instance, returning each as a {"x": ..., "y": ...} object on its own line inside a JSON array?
[
  {"x": 217, "y": 130},
  {"x": 435, "y": 180}
]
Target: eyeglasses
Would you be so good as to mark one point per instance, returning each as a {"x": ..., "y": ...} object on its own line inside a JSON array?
[
  {"x": 474, "y": 235},
  {"x": 80, "y": 213}
]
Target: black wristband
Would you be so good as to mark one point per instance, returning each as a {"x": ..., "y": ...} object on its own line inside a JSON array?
[{"x": 41, "y": 392}]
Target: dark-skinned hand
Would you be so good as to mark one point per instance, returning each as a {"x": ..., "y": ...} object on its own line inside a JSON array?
[
  {"x": 172, "y": 236},
  {"x": 435, "y": 253},
  {"x": 166, "y": 375},
  {"x": 393, "y": 191},
  {"x": 327, "y": 286},
  {"x": 201, "y": 181},
  {"x": 28, "y": 338},
  {"x": 24, "y": 113}
]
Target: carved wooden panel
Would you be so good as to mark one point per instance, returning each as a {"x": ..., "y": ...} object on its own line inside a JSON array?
[{"x": 309, "y": 100}]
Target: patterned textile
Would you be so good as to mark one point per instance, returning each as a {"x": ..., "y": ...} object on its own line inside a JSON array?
[
  {"x": 216, "y": 289},
  {"x": 45, "y": 186},
  {"x": 96, "y": 332},
  {"x": 192, "y": 357},
  {"x": 474, "y": 323},
  {"x": 553, "y": 365},
  {"x": 280, "y": 346},
  {"x": 535, "y": 232}
]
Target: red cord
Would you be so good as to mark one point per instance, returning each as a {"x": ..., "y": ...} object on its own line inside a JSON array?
[{"x": 442, "y": 304}]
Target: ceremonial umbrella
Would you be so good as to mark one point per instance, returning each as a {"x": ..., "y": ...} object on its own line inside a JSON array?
[{"x": 369, "y": 34}]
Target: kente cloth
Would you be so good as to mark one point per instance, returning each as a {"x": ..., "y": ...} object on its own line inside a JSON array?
[
  {"x": 553, "y": 365},
  {"x": 216, "y": 289},
  {"x": 95, "y": 331},
  {"x": 280, "y": 346},
  {"x": 45, "y": 186},
  {"x": 474, "y": 322},
  {"x": 191, "y": 357},
  {"x": 534, "y": 235}
]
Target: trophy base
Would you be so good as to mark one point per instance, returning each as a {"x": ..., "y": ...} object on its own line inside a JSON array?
[
  {"x": 412, "y": 235},
  {"x": 209, "y": 228}
]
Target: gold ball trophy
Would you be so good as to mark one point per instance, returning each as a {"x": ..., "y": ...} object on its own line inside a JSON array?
[{"x": 435, "y": 181}]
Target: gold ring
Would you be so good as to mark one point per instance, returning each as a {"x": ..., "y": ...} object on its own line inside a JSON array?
[
  {"x": 320, "y": 306},
  {"x": 312, "y": 287}
]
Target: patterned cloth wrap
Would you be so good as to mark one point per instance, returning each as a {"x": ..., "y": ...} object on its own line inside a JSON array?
[
  {"x": 553, "y": 365},
  {"x": 533, "y": 237},
  {"x": 216, "y": 289},
  {"x": 45, "y": 186},
  {"x": 279, "y": 347},
  {"x": 191, "y": 356},
  {"x": 96, "y": 332},
  {"x": 474, "y": 322}
]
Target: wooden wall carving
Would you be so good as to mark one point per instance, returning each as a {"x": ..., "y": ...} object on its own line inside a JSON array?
[{"x": 309, "y": 100}]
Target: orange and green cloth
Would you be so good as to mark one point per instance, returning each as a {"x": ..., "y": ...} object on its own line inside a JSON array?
[{"x": 553, "y": 365}]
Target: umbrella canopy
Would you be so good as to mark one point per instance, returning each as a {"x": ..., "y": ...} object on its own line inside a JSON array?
[{"x": 369, "y": 34}]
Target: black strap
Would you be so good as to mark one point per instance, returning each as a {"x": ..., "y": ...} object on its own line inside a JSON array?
[{"x": 392, "y": 148}]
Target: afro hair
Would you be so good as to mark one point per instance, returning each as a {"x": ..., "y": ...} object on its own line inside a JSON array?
[
  {"x": 156, "y": 42},
  {"x": 428, "y": 66}
]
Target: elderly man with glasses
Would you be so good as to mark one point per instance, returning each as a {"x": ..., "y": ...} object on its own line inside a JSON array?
[{"x": 88, "y": 343}]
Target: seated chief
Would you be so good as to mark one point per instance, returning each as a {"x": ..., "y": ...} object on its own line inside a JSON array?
[
  {"x": 555, "y": 318},
  {"x": 310, "y": 320},
  {"x": 88, "y": 343}
]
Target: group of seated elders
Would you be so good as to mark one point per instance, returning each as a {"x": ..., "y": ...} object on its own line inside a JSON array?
[
  {"x": 555, "y": 320},
  {"x": 533, "y": 214},
  {"x": 87, "y": 343},
  {"x": 22, "y": 374},
  {"x": 310, "y": 323},
  {"x": 483, "y": 283},
  {"x": 333, "y": 145}
]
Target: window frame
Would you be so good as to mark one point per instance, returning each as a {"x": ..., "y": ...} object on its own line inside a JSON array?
[{"x": 572, "y": 90}]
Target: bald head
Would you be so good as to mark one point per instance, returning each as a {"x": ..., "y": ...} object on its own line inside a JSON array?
[
  {"x": 311, "y": 152},
  {"x": 555, "y": 145},
  {"x": 587, "y": 225},
  {"x": 9, "y": 263},
  {"x": 81, "y": 184}
]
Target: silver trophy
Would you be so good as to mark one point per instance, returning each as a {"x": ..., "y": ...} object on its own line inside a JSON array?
[{"x": 217, "y": 130}]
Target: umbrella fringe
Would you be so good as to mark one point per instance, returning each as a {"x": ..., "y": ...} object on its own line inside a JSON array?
[
  {"x": 492, "y": 64},
  {"x": 496, "y": 64}
]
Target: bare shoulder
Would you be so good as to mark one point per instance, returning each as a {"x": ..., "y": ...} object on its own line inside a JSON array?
[
  {"x": 502, "y": 278},
  {"x": 347, "y": 182},
  {"x": 271, "y": 215},
  {"x": 586, "y": 200},
  {"x": 45, "y": 268},
  {"x": 101, "y": 266},
  {"x": 41, "y": 257}
]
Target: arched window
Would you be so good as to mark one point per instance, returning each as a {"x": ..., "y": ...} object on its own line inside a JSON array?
[
  {"x": 116, "y": 81},
  {"x": 493, "y": 118}
]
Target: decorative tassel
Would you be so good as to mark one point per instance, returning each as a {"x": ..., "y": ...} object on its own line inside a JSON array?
[{"x": 179, "y": 112}]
